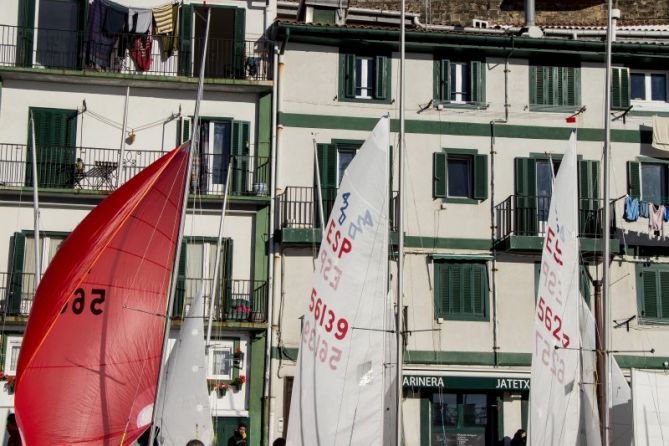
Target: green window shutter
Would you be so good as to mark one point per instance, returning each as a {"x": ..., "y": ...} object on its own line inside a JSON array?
[
  {"x": 588, "y": 194},
  {"x": 525, "y": 214},
  {"x": 381, "y": 77},
  {"x": 17, "y": 251},
  {"x": 445, "y": 81},
  {"x": 186, "y": 40},
  {"x": 534, "y": 85},
  {"x": 239, "y": 42},
  {"x": 573, "y": 87},
  {"x": 439, "y": 160},
  {"x": 454, "y": 297},
  {"x": 440, "y": 290},
  {"x": 226, "y": 275},
  {"x": 477, "y": 73},
  {"x": 55, "y": 141},
  {"x": 436, "y": 80},
  {"x": 348, "y": 75},
  {"x": 664, "y": 294},
  {"x": 183, "y": 130},
  {"x": 24, "y": 56},
  {"x": 634, "y": 179},
  {"x": 180, "y": 295},
  {"x": 480, "y": 177},
  {"x": 327, "y": 167},
  {"x": 620, "y": 92},
  {"x": 650, "y": 294},
  {"x": 240, "y": 158}
]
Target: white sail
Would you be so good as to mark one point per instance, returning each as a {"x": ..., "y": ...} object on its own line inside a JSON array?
[
  {"x": 622, "y": 418},
  {"x": 589, "y": 429},
  {"x": 185, "y": 414},
  {"x": 558, "y": 374},
  {"x": 338, "y": 393},
  {"x": 651, "y": 407}
]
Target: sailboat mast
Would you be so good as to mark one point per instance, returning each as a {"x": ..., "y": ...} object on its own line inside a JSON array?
[
  {"x": 38, "y": 251},
  {"x": 173, "y": 283},
  {"x": 400, "y": 231},
  {"x": 606, "y": 330},
  {"x": 217, "y": 261}
]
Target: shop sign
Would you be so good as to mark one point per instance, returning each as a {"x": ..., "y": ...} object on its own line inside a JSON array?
[{"x": 467, "y": 382}]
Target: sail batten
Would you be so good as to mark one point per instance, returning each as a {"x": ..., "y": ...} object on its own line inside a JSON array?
[
  {"x": 89, "y": 360},
  {"x": 339, "y": 388}
]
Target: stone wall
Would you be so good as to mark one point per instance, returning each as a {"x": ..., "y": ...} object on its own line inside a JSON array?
[{"x": 512, "y": 12}]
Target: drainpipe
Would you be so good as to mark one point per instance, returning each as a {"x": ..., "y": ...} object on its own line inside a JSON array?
[
  {"x": 506, "y": 87},
  {"x": 493, "y": 270},
  {"x": 267, "y": 395},
  {"x": 529, "y": 13}
]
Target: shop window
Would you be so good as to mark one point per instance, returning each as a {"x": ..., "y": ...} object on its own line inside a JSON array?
[
  {"x": 555, "y": 88},
  {"x": 364, "y": 77},
  {"x": 459, "y": 418},
  {"x": 459, "y": 82},
  {"x": 648, "y": 86},
  {"x": 461, "y": 290},
  {"x": 653, "y": 293},
  {"x": 460, "y": 176},
  {"x": 648, "y": 181}
]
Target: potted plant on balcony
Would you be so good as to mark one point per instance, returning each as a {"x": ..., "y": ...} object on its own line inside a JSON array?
[
  {"x": 237, "y": 358},
  {"x": 238, "y": 382},
  {"x": 221, "y": 389}
]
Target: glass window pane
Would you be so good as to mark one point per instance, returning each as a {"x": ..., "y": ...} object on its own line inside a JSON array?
[
  {"x": 345, "y": 158},
  {"x": 364, "y": 77},
  {"x": 459, "y": 177},
  {"x": 14, "y": 356},
  {"x": 464, "y": 88},
  {"x": 638, "y": 86},
  {"x": 222, "y": 361},
  {"x": 653, "y": 183},
  {"x": 444, "y": 410},
  {"x": 459, "y": 81},
  {"x": 658, "y": 86},
  {"x": 544, "y": 187},
  {"x": 474, "y": 409},
  {"x": 358, "y": 75}
]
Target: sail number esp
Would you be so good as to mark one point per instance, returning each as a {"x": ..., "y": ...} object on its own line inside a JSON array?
[{"x": 79, "y": 301}]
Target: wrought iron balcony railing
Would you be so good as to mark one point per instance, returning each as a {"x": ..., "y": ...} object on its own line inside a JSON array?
[
  {"x": 298, "y": 208},
  {"x": 97, "y": 169},
  {"x": 76, "y": 50},
  {"x": 237, "y": 300},
  {"x": 527, "y": 216}
]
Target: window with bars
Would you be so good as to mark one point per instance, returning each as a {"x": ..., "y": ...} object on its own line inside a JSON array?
[
  {"x": 460, "y": 290},
  {"x": 459, "y": 82},
  {"x": 653, "y": 292},
  {"x": 555, "y": 88}
]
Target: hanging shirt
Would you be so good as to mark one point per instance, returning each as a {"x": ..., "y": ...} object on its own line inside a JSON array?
[
  {"x": 643, "y": 209},
  {"x": 631, "y": 209},
  {"x": 115, "y": 19},
  {"x": 141, "y": 51},
  {"x": 139, "y": 20},
  {"x": 165, "y": 18},
  {"x": 655, "y": 217},
  {"x": 98, "y": 44}
]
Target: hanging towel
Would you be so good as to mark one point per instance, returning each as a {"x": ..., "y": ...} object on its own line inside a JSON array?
[
  {"x": 98, "y": 45},
  {"x": 165, "y": 18},
  {"x": 141, "y": 51},
  {"x": 655, "y": 217},
  {"x": 666, "y": 213},
  {"x": 115, "y": 20},
  {"x": 631, "y": 209},
  {"x": 643, "y": 209},
  {"x": 660, "y": 133},
  {"x": 139, "y": 20}
]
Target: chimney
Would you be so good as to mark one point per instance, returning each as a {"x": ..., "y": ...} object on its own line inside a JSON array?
[{"x": 529, "y": 13}]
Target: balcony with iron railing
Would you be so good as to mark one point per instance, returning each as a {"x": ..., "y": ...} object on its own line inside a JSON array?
[
  {"x": 97, "y": 169},
  {"x": 237, "y": 300},
  {"x": 298, "y": 209},
  {"x": 524, "y": 217},
  {"x": 42, "y": 48}
]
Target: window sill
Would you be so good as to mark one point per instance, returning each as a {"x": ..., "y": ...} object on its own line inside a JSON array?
[
  {"x": 461, "y": 105},
  {"x": 653, "y": 321},
  {"x": 461, "y": 200},
  {"x": 364, "y": 101},
  {"x": 554, "y": 108},
  {"x": 462, "y": 318}
]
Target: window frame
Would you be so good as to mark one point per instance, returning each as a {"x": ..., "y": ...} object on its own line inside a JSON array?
[
  {"x": 648, "y": 87},
  {"x": 382, "y": 75},
  {"x": 478, "y": 163},
  {"x": 476, "y": 69},
  {"x": 11, "y": 342},
  {"x": 235, "y": 369},
  {"x": 444, "y": 314},
  {"x": 635, "y": 177},
  {"x": 662, "y": 302}
]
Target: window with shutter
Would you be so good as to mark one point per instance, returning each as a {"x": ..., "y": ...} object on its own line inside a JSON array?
[
  {"x": 554, "y": 88},
  {"x": 459, "y": 83},
  {"x": 653, "y": 292},
  {"x": 460, "y": 176},
  {"x": 364, "y": 77},
  {"x": 460, "y": 290},
  {"x": 620, "y": 88}
]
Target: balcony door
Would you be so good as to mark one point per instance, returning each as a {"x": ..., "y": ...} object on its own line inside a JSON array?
[
  {"x": 58, "y": 34},
  {"x": 546, "y": 170},
  {"x": 225, "y": 50}
]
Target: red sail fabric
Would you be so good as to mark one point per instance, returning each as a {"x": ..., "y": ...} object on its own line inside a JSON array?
[{"x": 88, "y": 367}]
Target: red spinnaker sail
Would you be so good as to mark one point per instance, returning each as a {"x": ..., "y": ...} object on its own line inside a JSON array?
[{"x": 88, "y": 367}]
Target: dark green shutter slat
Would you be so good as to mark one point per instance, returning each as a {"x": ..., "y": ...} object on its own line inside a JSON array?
[
  {"x": 226, "y": 280},
  {"x": 327, "y": 166},
  {"x": 17, "y": 250},
  {"x": 616, "y": 96},
  {"x": 624, "y": 88},
  {"x": 479, "y": 289},
  {"x": 467, "y": 289},
  {"x": 664, "y": 294},
  {"x": 381, "y": 81},
  {"x": 240, "y": 159},
  {"x": 650, "y": 292},
  {"x": 26, "y": 33},
  {"x": 633, "y": 179},
  {"x": 239, "y": 42},
  {"x": 480, "y": 177},
  {"x": 441, "y": 289},
  {"x": 455, "y": 288},
  {"x": 525, "y": 218},
  {"x": 436, "y": 80},
  {"x": 185, "y": 40},
  {"x": 179, "y": 296},
  {"x": 477, "y": 74},
  {"x": 445, "y": 80},
  {"x": 349, "y": 75},
  {"x": 534, "y": 85},
  {"x": 439, "y": 175}
]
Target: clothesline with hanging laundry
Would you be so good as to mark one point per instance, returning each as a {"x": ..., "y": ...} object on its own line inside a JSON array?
[
  {"x": 111, "y": 25},
  {"x": 656, "y": 214}
]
